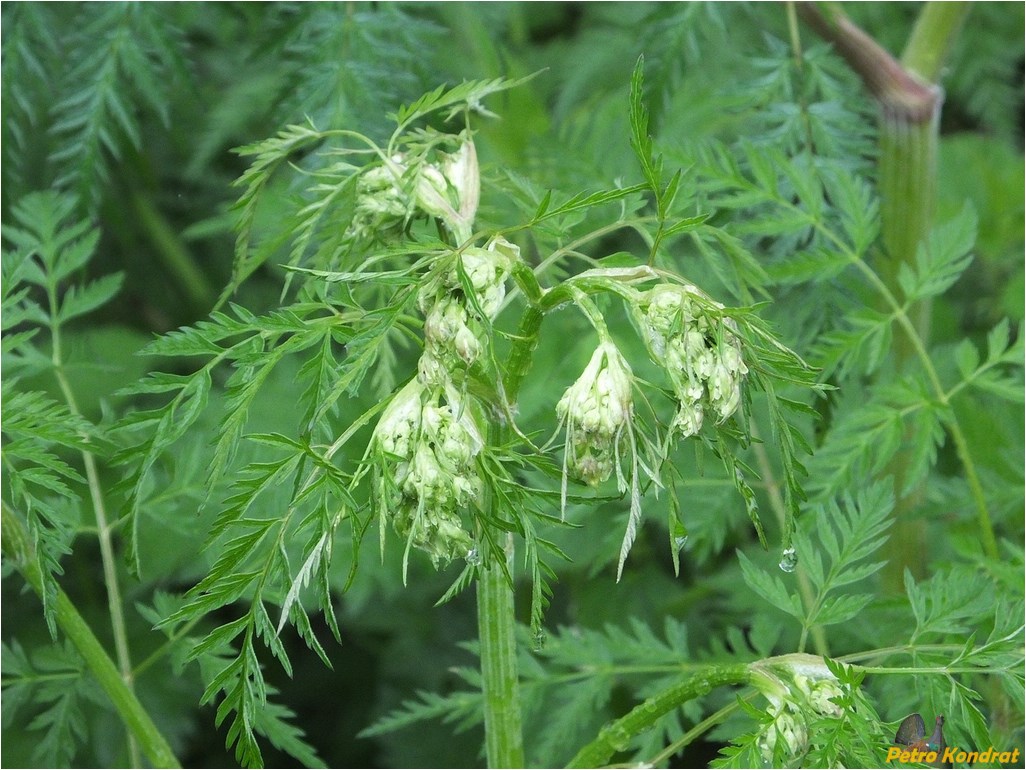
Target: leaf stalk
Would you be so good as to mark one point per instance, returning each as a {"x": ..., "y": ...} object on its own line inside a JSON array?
[
  {"x": 103, "y": 529},
  {"x": 616, "y": 735},
  {"x": 17, "y": 546}
]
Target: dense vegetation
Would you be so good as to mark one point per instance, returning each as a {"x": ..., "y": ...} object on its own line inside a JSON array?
[{"x": 659, "y": 329}]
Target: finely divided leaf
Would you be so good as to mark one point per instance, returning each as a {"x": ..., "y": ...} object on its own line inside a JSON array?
[
  {"x": 469, "y": 93},
  {"x": 941, "y": 259},
  {"x": 79, "y": 301},
  {"x": 770, "y": 587},
  {"x": 270, "y": 154}
]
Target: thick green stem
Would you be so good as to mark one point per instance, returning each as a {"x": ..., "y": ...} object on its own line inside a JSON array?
[
  {"x": 496, "y": 619},
  {"x": 616, "y": 735},
  {"x": 17, "y": 546},
  {"x": 908, "y": 187},
  {"x": 908, "y": 193},
  {"x": 504, "y": 740},
  {"x": 907, "y": 179},
  {"x": 521, "y": 355},
  {"x": 932, "y": 37},
  {"x": 909, "y": 100}
]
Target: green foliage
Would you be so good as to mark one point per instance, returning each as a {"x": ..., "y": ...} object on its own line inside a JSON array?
[
  {"x": 53, "y": 684},
  {"x": 39, "y": 481},
  {"x": 853, "y": 736},
  {"x": 941, "y": 260},
  {"x": 133, "y": 57},
  {"x": 730, "y": 592},
  {"x": 845, "y": 537}
]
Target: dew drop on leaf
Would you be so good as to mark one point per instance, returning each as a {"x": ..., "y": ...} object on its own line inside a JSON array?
[
  {"x": 539, "y": 641},
  {"x": 680, "y": 542},
  {"x": 789, "y": 560},
  {"x": 473, "y": 557}
]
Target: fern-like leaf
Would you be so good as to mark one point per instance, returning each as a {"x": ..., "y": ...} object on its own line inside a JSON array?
[
  {"x": 941, "y": 259},
  {"x": 55, "y": 679},
  {"x": 129, "y": 61}
]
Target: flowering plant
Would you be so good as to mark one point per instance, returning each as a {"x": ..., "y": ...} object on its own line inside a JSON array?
[{"x": 507, "y": 382}]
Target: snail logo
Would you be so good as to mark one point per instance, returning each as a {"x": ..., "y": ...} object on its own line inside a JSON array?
[
  {"x": 912, "y": 732},
  {"x": 915, "y": 748}
]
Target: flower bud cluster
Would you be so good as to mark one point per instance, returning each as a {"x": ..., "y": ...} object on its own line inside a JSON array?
[
  {"x": 597, "y": 409},
  {"x": 428, "y": 437},
  {"x": 792, "y": 705},
  {"x": 381, "y": 205},
  {"x": 699, "y": 350},
  {"x": 788, "y": 726},
  {"x": 430, "y": 447},
  {"x": 427, "y": 440},
  {"x": 453, "y": 329},
  {"x": 450, "y": 189},
  {"x": 387, "y": 196}
]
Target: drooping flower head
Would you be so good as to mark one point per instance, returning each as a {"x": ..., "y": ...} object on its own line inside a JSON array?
[
  {"x": 428, "y": 441},
  {"x": 598, "y": 413},
  {"x": 699, "y": 350},
  {"x": 596, "y": 410}
]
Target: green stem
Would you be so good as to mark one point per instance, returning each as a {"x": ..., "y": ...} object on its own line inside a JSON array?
[
  {"x": 616, "y": 735},
  {"x": 526, "y": 341},
  {"x": 17, "y": 546},
  {"x": 496, "y": 618},
  {"x": 172, "y": 250},
  {"x": 110, "y": 574},
  {"x": 796, "y": 51},
  {"x": 504, "y": 741},
  {"x": 932, "y": 37},
  {"x": 697, "y": 731},
  {"x": 908, "y": 193},
  {"x": 909, "y": 101},
  {"x": 907, "y": 186},
  {"x": 167, "y": 646}
]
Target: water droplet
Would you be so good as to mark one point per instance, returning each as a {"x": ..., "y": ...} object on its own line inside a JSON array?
[
  {"x": 539, "y": 641},
  {"x": 680, "y": 542},
  {"x": 473, "y": 557},
  {"x": 618, "y": 737},
  {"x": 788, "y": 560}
]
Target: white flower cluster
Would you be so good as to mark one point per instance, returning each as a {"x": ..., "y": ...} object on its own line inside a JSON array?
[
  {"x": 430, "y": 448},
  {"x": 387, "y": 196},
  {"x": 699, "y": 350},
  {"x": 427, "y": 438},
  {"x": 452, "y": 327},
  {"x": 381, "y": 205},
  {"x": 597, "y": 410},
  {"x": 791, "y": 706}
]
